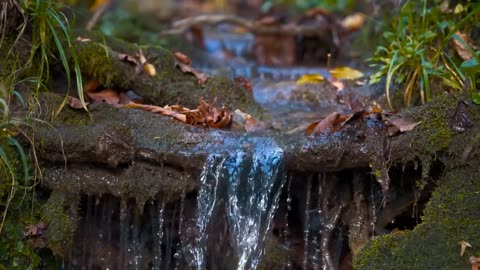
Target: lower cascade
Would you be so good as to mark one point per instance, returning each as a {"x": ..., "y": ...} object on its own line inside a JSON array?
[{"x": 237, "y": 199}]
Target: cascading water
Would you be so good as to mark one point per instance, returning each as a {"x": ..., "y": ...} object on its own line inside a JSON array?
[{"x": 247, "y": 185}]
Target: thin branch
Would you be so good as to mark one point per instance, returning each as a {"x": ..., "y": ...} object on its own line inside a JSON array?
[{"x": 183, "y": 25}]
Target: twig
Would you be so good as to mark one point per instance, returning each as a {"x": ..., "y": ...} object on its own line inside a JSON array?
[
  {"x": 97, "y": 15},
  {"x": 183, "y": 25}
]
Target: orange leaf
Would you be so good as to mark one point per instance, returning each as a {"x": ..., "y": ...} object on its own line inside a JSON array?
[
  {"x": 109, "y": 96},
  {"x": 182, "y": 58},
  {"x": 91, "y": 86}
]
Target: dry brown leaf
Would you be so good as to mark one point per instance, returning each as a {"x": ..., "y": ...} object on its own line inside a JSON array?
[
  {"x": 400, "y": 125},
  {"x": 91, "y": 86},
  {"x": 128, "y": 58},
  {"x": 324, "y": 126},
  {"x": 141, "y": 57},
  {"x": 463, "y": 52},
  {"x": 244, "y": 83},
  {"x": 463, "y": 246},
  {"x": 474, "y": 262},
  {"x": 75, "y": 103},
  {"x": 202, "y": 77},
  {"x": 182, "y": 58},
  {"x": 160, "y": 110},
  {"x": 82, "y": 39},
  {"x": 36, "y": 229},
  {"x": 109, "y": 96},
  {"x": 403, "y": 124}
]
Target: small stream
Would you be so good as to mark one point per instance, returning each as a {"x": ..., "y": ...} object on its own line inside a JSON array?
[{"x": 249, "y": 213}]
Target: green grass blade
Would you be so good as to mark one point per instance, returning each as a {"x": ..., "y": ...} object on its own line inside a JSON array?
[
  {"x": 391, "y": 70},
  {"x": 426, "y": 79},
  {"x": 23, "y": 158}
]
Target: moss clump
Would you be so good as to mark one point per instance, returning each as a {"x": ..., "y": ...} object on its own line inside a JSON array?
[
  {"x": 73, "y": 117},
  {"x": 450, "y": 216},
  {"x": 61, "y": 213}
]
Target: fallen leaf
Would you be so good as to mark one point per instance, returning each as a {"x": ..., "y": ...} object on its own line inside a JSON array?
[
  {"x": 157, "y": 109},
  {"x": 205, "y": 115},
  {"x": 463, "y": 246},
  {"x": 109, "y": 96},
  {"x": 474, "y": 262},
  {"x": 460, "y": 48},
  {"x": 91, "y": 86},
  {"x": 353, "y": 22},
  {"x": 376, "y": 109},
  {"x": 36, "y": 229},
  {"x": 310, "y": 78},
  {"x": 244, "y": 83},
  {"x": 141, "y": 57},
  {"x": 458, "y": 9},
  {"x": 202, "y": 77},
  {"x": 346, "y": 73},
  {"x": 182, "y": 58},
  {"x": 324, "y": 126},
  {"x": 75, "y": 103},
  {"x": 128, "y": 58},
  {"x": 82, "y": 39},
  {"x": 150, "y": 69},
  {"x": 400, "y": 125}
]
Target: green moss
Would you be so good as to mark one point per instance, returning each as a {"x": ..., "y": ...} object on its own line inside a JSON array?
[
  {"x": 74, "y": 117},
  {"x": 61, "y": 213},
  {"x": 96, "y": 61},
  {"x": 450, "y": 216}
]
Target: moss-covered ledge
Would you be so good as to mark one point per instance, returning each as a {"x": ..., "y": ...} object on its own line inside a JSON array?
[{"x": 100, "y": 61}]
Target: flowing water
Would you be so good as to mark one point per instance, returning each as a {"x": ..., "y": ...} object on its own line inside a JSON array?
[{"x": 247, "y": 202}]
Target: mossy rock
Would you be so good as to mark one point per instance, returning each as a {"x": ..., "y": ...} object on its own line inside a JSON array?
[{"x": 452, "y": 215}]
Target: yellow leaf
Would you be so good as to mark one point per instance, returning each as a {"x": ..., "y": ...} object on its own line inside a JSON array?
[
  {"x": 150, "y": 69},
  {"x": 353, "y": 22},
  {"x": 310, "y": 78},
  {"x": 458, "y": 9},
  {"x": 346, "y": 73}
]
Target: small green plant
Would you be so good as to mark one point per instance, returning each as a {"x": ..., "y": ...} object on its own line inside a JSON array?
[
  {"x": 16, "y": 187},
  {"x": 51, "y": 39},
  {"x": 419, "y": 50}
]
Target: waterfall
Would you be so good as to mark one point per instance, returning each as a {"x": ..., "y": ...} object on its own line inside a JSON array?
[{"x": 244, "y": 186}]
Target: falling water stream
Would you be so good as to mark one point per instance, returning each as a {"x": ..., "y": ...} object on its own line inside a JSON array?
[{"x": 253, "y": 182}]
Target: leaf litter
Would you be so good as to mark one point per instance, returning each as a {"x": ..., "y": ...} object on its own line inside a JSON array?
[
  {"x": 334, "y": 122},
  {"x": 205, "y": 115}
]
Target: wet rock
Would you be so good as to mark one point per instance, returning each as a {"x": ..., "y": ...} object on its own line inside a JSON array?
[{"x": 115, "y": 145}]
